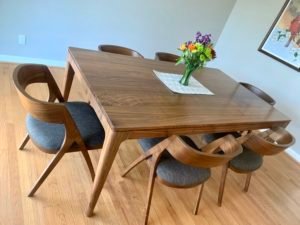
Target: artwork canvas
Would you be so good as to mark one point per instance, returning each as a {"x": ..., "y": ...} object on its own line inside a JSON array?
[{"x": 282, "y": 42}]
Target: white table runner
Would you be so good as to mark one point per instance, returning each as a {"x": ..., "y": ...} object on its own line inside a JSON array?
[{"x": 172, "y": 82}]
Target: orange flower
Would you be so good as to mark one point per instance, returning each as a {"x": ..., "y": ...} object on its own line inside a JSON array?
[{"x": 191, "y": 47}]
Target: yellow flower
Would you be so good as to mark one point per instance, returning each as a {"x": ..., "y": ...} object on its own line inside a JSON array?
[{"x": 182, "y": 47}]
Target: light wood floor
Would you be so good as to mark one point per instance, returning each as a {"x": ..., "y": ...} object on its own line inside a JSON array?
[{"x": 273, "y": 197}]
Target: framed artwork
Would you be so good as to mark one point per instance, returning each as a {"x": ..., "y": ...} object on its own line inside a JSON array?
[{"x": 282, "y": 41}]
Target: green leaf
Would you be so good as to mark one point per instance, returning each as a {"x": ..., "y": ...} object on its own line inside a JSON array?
[{"x": 180, "y": 61}]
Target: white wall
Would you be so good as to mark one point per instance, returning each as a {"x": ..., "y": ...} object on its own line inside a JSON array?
[
  {"x": 147, "y": 26},
  {"x": 238, "y": 57}
]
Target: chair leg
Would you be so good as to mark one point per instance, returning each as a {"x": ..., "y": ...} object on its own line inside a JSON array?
[
  {"x": 247, "y": 183},
  {"x": 222, "y": 184},
  {"x": 156, "y": 150},
  {"x": 88, "y": 162},
  {"x": 47, "y": 171},
  {"x": 198, "y": 199},
  {"x": 24, "y": 142},
  {"x": 150, "y": 192},
  {"x": 135, "y": 163}
]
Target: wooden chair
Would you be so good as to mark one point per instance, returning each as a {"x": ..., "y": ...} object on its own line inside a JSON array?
[
  {"x": 56, "y": 128},
  {"x": 164, "y": 56},
  {"x": 263, "y": 95},
  {"x": 119, "y": 50},
  {"x": 249, "y": 160},
  {"x": 260, "y": 93},
  {"x": 177, "y": 162},
  {"x": 259, "y": 144}
]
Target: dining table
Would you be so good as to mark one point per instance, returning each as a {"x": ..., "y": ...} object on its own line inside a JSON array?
[{"x": 132, "y": 103}]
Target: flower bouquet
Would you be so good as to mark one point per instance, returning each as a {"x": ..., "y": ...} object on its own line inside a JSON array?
[{"x": 195, "y": 54}]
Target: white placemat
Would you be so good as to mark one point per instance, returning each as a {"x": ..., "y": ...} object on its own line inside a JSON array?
[{"x": 172, "y": 82}]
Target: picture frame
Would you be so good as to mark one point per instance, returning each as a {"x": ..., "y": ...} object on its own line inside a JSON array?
[{"x": 282, "y": 42}]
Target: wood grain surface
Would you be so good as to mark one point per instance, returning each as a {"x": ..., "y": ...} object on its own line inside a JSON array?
[{"x": 133, "y": 99}]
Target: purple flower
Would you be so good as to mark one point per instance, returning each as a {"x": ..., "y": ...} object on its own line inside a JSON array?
[
  {"x": 188, "y": 43},
  {"x": 203, "y": 39},
  {"x": 198, "y": 35}
]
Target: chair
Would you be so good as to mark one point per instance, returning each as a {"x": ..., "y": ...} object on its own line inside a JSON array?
[
  {"x": 255, "y": 90},
  {"x": 177, "y": 162},
  {"x": 259, "y": 144},
  {"x": 248, "y": 157},
  {"x": 164, "y": 56},
  {"x": 260, "y": 93},
  {"x": 56, "y": 128},
  {"x": 119, "y": 50}
]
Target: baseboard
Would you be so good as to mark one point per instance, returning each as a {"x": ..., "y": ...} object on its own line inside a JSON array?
[
  {"x": 295, "y": 155},
  {"x": 19, "y": 59}
]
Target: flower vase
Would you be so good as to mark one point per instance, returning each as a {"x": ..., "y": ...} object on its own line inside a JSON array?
[{"x": 186, "y": 76}]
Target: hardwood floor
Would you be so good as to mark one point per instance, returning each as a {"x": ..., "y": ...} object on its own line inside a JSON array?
[{"x": 273, "y": 197}]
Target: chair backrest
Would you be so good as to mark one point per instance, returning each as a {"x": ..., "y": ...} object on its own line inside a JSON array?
[
  {"x": 51, "y": 112},
  {"x": 164, "y": 56},
  {"x": 213, "y": 154},
  {"x": 119, "y": 50},
  {"x": 260, "y": 93},
  {"x": 270, "y": 142}
]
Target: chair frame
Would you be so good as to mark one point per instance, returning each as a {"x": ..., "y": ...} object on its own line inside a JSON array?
[
  {"x": 119, "y": 50},
  {"x": 268, "y": 142},
  {"x": 260, "y": 93},
  {"x": 267, "y": 98},
  {"x": 167, "y": 57},
  {"x": 185, "y": 154},
  {"x": 50, "y": 112}
]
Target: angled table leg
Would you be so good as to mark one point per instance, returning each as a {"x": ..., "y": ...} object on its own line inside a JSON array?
[
  {"x": 107, "y": 156},
  {"x": 69, "y": 75}
]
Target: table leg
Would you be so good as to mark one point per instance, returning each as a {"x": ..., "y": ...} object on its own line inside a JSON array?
[
  {"x": 69, "y": 75},
  {"x": 107, "y": 156}
]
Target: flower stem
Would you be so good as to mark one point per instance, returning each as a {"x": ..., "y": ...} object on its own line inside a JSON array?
[{"x": 186, "y": 76}]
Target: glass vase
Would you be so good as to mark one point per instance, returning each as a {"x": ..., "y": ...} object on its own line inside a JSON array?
[{"x": 186, "y": 76}]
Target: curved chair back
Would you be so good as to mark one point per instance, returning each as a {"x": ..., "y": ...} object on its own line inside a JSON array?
[
  {"x": 260, "y": 93},
  {"x": 119, "y": 50},
  {"x": 270, "y": 142},
  {"x": 214, "y": 154},
  {"x": 164, "y": 56},
  {"x": 27, "y": 74},
  {"x": 50, "y": 112}
]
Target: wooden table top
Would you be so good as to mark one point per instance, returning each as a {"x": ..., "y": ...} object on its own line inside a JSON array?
[{"x": 132, "y": 98}]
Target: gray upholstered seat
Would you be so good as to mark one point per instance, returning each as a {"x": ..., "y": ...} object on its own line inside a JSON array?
[
  {"x": 148, "y": 143},
  {"x": 247, "y": 161},
  {"x": 179, "y": 174},
  {"x": 173, "y": 171},
  {"x": 211, "y": 137},
  {"x": 214, "y": 136},
  {"x": 50, "y": 136}
]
